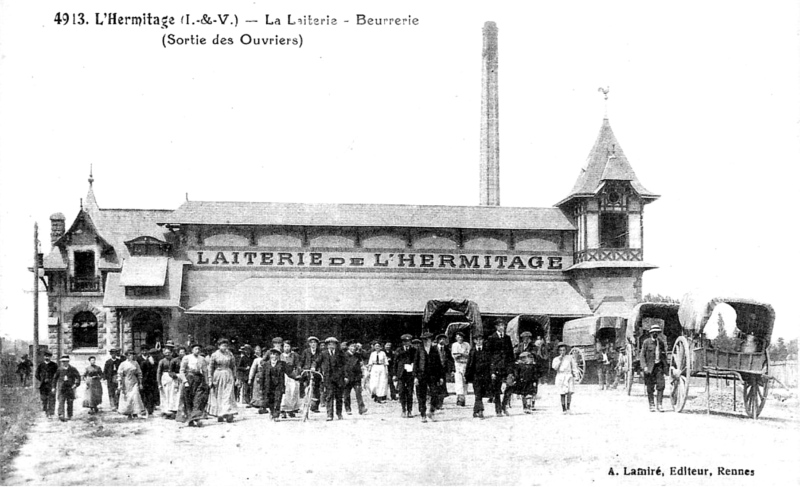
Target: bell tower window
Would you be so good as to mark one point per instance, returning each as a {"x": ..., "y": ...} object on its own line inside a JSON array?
[{"x": 613, "y": 230}]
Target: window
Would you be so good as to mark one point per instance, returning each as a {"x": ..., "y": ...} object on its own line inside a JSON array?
[
  {"x": 147, "y": 329},
  {"x": 613, "y": 230},
  {"x": 148, "y": 246},
  {"x": 84, "y": 330},
  {"x": 143, "y": 291},
  {"x": 84, "y": 277}
]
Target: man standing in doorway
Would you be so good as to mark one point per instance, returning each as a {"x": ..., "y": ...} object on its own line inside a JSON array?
[
  {"x": 403, "y": 373},
  {"x": 46, "y": 375},
  {"x": 653, "y": 359}
]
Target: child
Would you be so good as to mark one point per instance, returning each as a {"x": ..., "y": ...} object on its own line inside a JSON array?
[
  {"x": 526, "y": 379},
  {"x": 565, "y": 376}
]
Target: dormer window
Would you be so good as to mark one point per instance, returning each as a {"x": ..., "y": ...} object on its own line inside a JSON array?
[
  {"x": 148, "y": 246},
  {"x": 84, "y": 277}
]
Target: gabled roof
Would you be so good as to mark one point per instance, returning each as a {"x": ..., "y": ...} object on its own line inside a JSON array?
[
  {"x": 121, "y": 225},
  {"x": 85, "y": 218},
  {"x": 606, "y": 162},
  {"x": 367, "y": 215}
]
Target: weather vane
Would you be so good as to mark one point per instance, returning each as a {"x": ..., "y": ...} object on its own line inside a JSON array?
[{"x": 604, "y": 91}]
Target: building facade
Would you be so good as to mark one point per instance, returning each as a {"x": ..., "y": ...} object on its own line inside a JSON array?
[{"x": 251, "y": 271}]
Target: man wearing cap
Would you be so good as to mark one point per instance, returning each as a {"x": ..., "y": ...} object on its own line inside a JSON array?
[
  {"x": 653, "y": 359},
  {"x": 273, "y": 383},
  {"x": 479, "y": 373},
  {"x": 308, "y": 361},
  {"x": 67, "y": 380},
  {"x": 502, "y": 351},
  {"x": 46, "y": 375},
  {"x": 110, "y": 375},
  {"x": 243, "y": 374},
  {"x": 428, "y": 376},
  {"x": 460, "y": 352},
  {"x": 403, "y": 374},
  {"x": 331, "y": 364}
]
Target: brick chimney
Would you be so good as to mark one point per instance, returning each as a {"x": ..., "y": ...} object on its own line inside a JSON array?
[
  {"x": 490, "y": 135},
  {"x": 57, "y": 227}
]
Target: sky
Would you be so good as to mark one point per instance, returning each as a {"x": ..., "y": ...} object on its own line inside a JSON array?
[{"x": 703, "y": 99}]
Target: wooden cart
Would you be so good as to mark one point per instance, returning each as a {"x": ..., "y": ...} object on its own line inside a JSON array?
[
  {"x": 745, "y": 359},
  {"x": 638, "y": 328},
  {"x": 584, "y": 334}
]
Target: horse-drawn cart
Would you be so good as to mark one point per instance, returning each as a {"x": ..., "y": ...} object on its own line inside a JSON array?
[
  {"x": 584, "y": 335},
  {"x": 744, "y": 357}
]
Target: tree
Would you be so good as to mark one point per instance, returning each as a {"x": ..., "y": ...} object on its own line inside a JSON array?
[
  {"x": 778, "y": 350},
  {"x": 723, "y": 341},
  {"x": 657, "y": 298}
]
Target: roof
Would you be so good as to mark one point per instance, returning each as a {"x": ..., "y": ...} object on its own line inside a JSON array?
[
  {"x": 362, "y": 295},
  {"x": 606, "y": 162},
  {"x": 612, "y": 264},
  {"x": 367, "y": 215},
  {"x": 118, "y": 226},
  {"x": 144, "y": 271},
  {"x": 170, "y": 295}
]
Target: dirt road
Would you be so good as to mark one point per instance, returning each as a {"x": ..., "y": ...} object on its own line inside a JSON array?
[{"x": 608, "y": 431}]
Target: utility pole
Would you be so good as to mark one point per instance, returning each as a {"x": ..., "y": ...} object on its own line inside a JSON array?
[{"x": 35, "y": 353}]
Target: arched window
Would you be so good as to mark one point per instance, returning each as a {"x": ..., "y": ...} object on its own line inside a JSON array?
[{"x": 84, "y": 330}]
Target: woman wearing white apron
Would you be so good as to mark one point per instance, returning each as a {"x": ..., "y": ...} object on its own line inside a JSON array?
[
  {"x": 291, "y": 396},
  {"x": 378, "y": 373}
]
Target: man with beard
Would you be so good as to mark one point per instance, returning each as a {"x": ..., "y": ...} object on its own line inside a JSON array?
[{"x": 331, "y": 364}]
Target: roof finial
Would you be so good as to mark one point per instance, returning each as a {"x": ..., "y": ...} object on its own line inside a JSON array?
[
  {"x": 605, "y": 91},
  {"x": 91, "y": 178}
]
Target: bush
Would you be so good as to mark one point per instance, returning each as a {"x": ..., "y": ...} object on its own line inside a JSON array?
[{"x": 18, "y": 410}]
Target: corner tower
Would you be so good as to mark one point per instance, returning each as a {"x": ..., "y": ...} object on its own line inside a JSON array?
[{"x": 606, "y": 205}]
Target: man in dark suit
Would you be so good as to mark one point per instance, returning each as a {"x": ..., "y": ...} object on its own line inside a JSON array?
[
  {"x": 479, "y": 373},
  {"x": 46, "y": 375},
  {"x": 428, "y": 376},
  {"x": 331, "y": 364},
  {"x": 403, "y": 373},
  {"x": 653, "y": 359},
  {"x": 308, "y": 361},
  {"x": 446, "y": 359},
  {"x": 502, "y": 352},
  {"x": 388, "y": 348},
  {"x": 110, "y": 375},
  {"x": 273, "y": 383},
  {"x": 149, "y": 381}
]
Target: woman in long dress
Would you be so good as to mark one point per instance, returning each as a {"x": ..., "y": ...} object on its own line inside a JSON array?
[
  {"x": 255, "y": 380},
  {"x": 377, "y": 367},
  {"x": 565, "y": 376},
  {"x": 169, "y": 384},
  {"x": 291, "y": 396},
  {"x": 129, "y": 377},
  {"x": 93, "y": 377},
  {"x": 222, "y": 382}
]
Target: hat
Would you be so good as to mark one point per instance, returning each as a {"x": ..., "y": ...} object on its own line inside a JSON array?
[
  {"x": 426, "y": 335},
  {"x": 169, "y": 344},
  {"x": 64, "y": 357},
  {"x": 406, "y": 337},
  {"x": 499, "y": 322},
  {"x": 92, "y": 358},
  {"x": 440, "y": 336},
  {"x": 525, "y": 334},
  {"x": 416, "y": 341},
  {"x": 48, "y": 354},
  {"x": 524, "y": 355},
  {"x": 655, "y": 328},
  {"x": 277, "y": 340},
  {"x": 274, "y": 351},
  {"x": 331, "y": 340},
  {"x": 561, "y": 344},
  {"x": 114, "y": 350},
  {"x": 191, "y": 347},
  {"x": 313, "y": 338},
  {"x": 153, "y": 351},
  {"x": 222, "y": 341}
]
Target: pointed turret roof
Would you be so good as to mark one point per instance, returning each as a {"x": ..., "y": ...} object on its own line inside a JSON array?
[
  {"x": 90, "y": 204},
  {"x": 606, "y": 162}
]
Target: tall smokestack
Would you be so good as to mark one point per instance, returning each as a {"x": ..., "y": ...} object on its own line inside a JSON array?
[{"x": 490, "y": 134}]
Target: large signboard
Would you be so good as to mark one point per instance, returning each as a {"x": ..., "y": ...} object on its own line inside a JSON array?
[{"x": 518, "y": 262}]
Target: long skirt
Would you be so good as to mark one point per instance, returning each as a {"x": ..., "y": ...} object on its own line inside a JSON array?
[
  {"x": 460, "y": 380},
  {"x": 195, "y": 397},
  {"x": 130, "y": 402},
  {"x": 378, "y": 381},
  {"x": 258, "y": 399},
  {"x": 291, "y": 395},
  {"x": 222, "y": 398},
  {"x": 170, "y": 393},
  {"x": 93, "y": 395}
]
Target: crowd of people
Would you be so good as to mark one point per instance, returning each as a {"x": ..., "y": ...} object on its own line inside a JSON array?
[{"x": 195, "y": 383}]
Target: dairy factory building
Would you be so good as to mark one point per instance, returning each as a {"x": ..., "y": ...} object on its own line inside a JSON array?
[{"x": 254, "y": 270}]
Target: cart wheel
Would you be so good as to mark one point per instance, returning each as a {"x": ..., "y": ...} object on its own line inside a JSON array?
[
  {"x": 679, "y": 367},
  {"x": 580, "y": 362},
  {"x": 629, "y": 372},
  {"x": 756, "y": 388}
]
